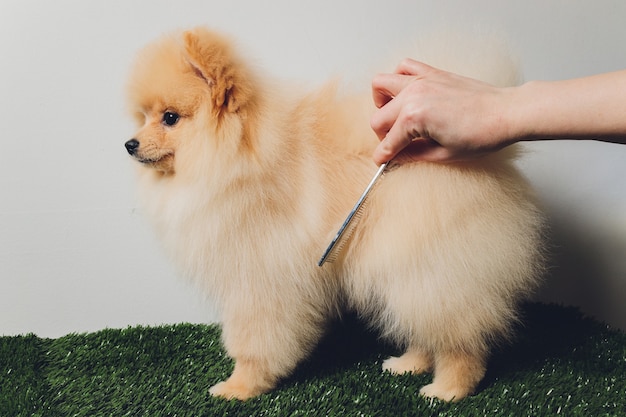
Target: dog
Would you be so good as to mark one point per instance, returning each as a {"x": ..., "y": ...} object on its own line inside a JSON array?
[{"x": 247, "y": 180}]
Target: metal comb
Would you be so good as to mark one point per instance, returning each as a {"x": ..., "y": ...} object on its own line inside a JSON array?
[{"x": 347, "y": 228}]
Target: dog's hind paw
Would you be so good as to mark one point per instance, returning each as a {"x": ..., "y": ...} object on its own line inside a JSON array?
[{"x": 445, "y": 394}]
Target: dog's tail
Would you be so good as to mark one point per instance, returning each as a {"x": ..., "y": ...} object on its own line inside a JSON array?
[{"x": 485, "y": 56}]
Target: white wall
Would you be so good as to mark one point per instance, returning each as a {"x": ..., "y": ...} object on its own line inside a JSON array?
[{"x": 76, "y": 254}]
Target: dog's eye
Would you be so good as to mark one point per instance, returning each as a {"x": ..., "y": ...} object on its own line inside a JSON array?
[{"x": 170, "y": 118}]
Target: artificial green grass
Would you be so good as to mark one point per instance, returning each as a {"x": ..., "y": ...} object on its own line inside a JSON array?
[{"x": 561, "y": 363}]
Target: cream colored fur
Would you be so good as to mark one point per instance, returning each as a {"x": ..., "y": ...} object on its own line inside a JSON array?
[{"x": 249, "y": 186}]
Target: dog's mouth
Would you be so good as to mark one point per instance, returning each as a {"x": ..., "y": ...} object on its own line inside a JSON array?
[
  {"x": 164, "y": 163},
  {"x": 152, "y": 161},
  {"x": 161, "y": 160}
]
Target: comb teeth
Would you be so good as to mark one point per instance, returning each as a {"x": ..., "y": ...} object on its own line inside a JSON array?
[
  {"x": 346, "y": 230},
  {"x": 342, "y": 238}
]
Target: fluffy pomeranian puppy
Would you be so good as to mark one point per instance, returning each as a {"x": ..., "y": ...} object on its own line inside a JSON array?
[{"x": 247, "y": 181}]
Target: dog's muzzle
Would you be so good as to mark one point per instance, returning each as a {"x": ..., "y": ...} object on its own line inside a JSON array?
[{"x": 132, "y": 146}]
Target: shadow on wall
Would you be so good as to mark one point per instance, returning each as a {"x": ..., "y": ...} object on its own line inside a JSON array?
[{"x": 582, "y": 271}]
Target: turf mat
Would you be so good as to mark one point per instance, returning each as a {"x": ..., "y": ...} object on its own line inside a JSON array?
[{"x": 561, "y": 363}]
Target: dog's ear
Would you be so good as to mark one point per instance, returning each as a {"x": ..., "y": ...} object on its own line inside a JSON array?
[{"x": 212, "y": 58}]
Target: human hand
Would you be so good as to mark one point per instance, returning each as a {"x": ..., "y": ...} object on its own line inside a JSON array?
[{"x": 434, "y": 115}]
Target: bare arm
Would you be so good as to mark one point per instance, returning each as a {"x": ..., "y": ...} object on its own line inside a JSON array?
[
  {"x": 584, "y": 108},
  {"x": 440, "y": 116}
]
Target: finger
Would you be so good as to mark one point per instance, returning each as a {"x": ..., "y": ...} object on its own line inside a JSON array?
[
  {"x": 404, "y": 123},
  {"x": 412, "y": 67},
  {"x": 387, "y": 86},
  {"x": 384, "y": 118},
  {"x": 420, "y": 149},
  {"x": 382, "y": 153},
  {"x": 397, "y": 138}
]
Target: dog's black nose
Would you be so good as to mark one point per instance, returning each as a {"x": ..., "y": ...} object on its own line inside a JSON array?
[{"x": 131, "y": 146}]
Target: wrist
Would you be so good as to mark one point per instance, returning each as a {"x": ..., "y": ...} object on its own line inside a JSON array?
[
  {"x": 520, "y": 102},
  {"x": 524, "y": 112}
]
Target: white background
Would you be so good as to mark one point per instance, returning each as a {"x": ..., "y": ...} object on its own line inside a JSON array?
[{"x": 75, "y": 252}]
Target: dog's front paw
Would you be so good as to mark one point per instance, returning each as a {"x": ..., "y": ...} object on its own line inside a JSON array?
[
  {"x": 249, "y": 379},
  {"x": 234, "y": 391}
]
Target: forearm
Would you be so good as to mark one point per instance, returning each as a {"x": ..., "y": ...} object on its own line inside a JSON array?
[{"x": 585, "y": 108}]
